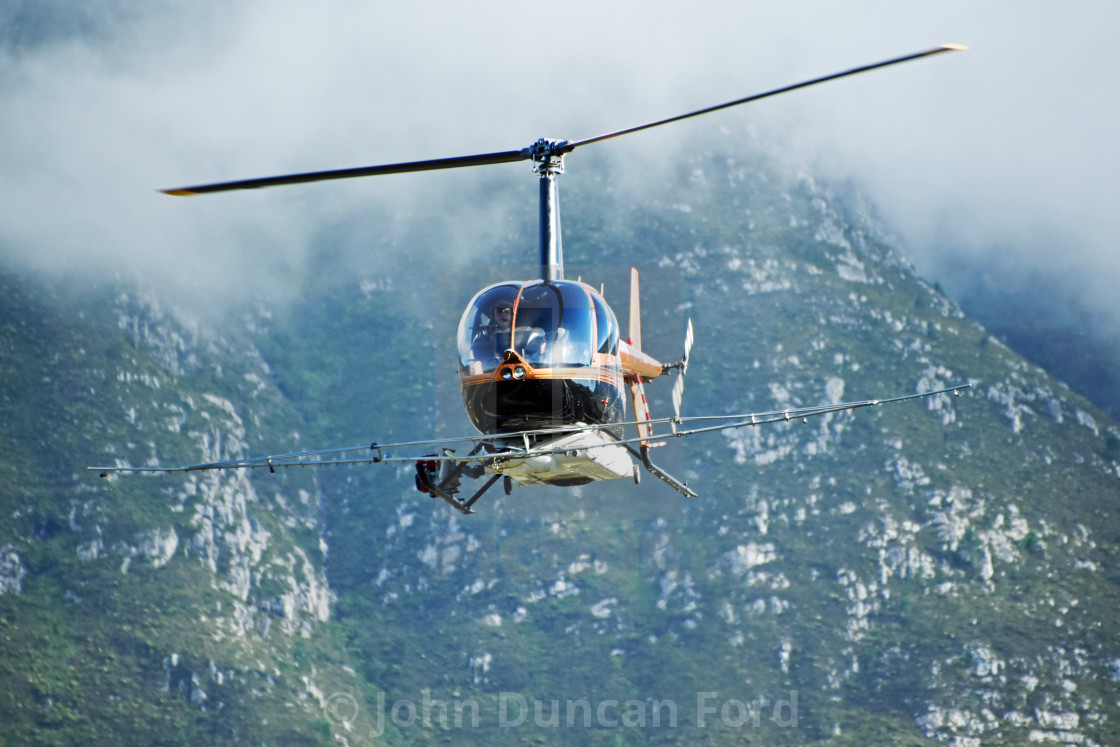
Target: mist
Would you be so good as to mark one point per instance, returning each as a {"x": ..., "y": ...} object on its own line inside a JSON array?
[{"x": 1003, "y": 149}]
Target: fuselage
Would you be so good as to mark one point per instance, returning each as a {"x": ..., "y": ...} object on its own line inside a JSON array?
[{"x": 541, "y": 354}]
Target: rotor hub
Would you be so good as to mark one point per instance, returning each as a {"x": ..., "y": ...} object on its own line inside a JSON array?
[{"x": 547, "y": 156}]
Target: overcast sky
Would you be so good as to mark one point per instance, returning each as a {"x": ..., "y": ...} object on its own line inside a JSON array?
[{"x": 1008, "y": 147}]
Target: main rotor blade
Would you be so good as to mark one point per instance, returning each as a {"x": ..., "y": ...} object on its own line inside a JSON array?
[
  {"x": 482, "y": 159},
  {"x": 541, "y": 149},
  {"x": 570, "y": 146}
]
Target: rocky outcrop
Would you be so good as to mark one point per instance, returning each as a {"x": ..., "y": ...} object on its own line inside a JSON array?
[{"x": 12, "y": 571}]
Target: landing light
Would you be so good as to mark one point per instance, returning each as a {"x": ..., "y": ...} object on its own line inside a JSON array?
[
  {"x": 507, "y": 374},
  {"x": 519, "y": 372}
]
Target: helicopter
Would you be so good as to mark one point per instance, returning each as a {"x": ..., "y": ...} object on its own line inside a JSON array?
[{"x": 545, "y": 374}]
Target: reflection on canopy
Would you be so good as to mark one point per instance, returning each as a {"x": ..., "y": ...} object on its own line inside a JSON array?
[{"x": 553, "y": 324}]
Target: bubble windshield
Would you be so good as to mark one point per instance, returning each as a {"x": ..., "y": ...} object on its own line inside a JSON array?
[{"x": 556, "y": 324}]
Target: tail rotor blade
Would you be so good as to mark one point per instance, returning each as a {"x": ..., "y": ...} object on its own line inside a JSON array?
[
  {"x": 688, "y": 338},
  {"x": 678, "y": 385}
]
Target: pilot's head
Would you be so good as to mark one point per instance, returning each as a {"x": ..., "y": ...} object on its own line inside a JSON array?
[{"x": 503, "y": 313}]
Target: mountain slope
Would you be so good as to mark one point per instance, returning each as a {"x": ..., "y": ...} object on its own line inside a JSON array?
[
  {"x": 925, "y": 569},
  {"x": 941, "y": 570},
  {"x": 168, "y": 610},
  {"x": 1046, "y": 319}
]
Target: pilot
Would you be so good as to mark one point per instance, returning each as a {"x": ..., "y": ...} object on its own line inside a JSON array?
[
  {"x": 503, "y": 317},
  {"x": 492, "y": 339}
]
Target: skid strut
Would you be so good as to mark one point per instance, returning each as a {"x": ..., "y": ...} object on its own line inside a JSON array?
[{"x": 448, "y": 485}]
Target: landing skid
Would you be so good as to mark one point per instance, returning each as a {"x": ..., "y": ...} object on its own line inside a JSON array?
[{"x": 659, "y": 473}]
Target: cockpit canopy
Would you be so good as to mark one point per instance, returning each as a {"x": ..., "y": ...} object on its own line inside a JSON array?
[{"x": 549, "y": 324}]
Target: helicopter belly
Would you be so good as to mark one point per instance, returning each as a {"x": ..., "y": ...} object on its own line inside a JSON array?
[
  {"x": 574, "y": 459},
  {"x": 545, "y": 401}
]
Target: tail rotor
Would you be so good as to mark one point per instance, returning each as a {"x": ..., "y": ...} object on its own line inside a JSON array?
[{"x": 682, "y": 367}]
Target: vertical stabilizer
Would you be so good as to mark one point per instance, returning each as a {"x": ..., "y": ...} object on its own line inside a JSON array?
[{"x": 635, "y": 339}]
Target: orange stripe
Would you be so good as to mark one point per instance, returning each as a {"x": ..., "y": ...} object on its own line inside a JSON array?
[{"x": 592, "y": 373}]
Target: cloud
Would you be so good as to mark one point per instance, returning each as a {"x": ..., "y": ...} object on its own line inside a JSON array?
[{"x": 992, "y": 148}]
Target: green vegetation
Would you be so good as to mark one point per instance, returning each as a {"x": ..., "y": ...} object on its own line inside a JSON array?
[{"x": 896, "y": 575}]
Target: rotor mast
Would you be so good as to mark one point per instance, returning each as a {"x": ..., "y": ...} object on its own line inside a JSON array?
[{"x": 548, "y": 162}]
